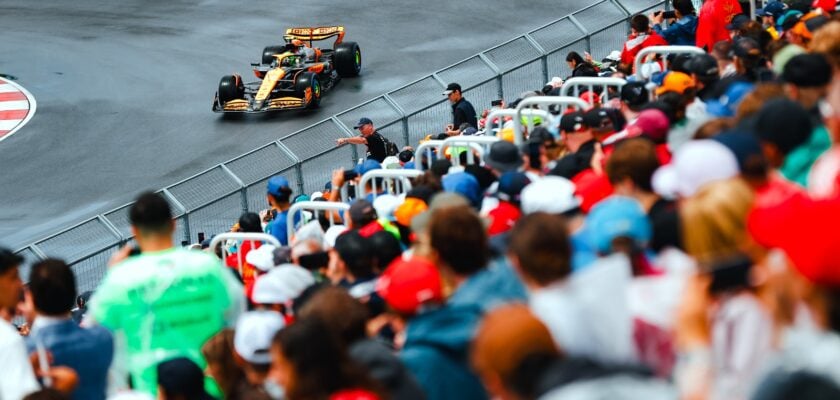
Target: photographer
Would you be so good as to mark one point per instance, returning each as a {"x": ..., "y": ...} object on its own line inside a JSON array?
[{"x": 682, "y": 23}]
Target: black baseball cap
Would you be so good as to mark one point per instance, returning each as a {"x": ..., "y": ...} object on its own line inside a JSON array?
[
  {"x": 807, "y": 70},
  {"x": 704, "y": 66},
  {"x": 363, "y": 121},
  {"x": 634, "y": 94},
  {"x": 573, "y": 122},
  {"x": 451, "y": 88},
  {"x": 679, "y": 62},
  {"x": 738, "y": 22},
  {"x": 598, "y": 118}
]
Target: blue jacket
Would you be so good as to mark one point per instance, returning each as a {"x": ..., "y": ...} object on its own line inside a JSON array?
[
  {"x": 436, "y": 351},
  {"x": 680, "y": 33},
  {"x": 437, "y": 342},
  {"x": 88, "y": 351}
]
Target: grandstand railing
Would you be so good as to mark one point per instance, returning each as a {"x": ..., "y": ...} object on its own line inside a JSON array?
[{"x": 211, "y": 201}]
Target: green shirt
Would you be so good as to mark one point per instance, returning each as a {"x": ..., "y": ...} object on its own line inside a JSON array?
[
  {"x": 166, "y": 304},
  {"x": 798, "y": 163}
]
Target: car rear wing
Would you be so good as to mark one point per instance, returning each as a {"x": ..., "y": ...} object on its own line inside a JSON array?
[{"x": 315, "y": 34}]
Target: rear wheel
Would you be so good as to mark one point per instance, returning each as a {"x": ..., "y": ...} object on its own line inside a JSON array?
[
  {"x": 309, "y": 80},
  {"x": 348, "y": 59},
  {"x": 270, "y": 51},
  {"x": 231, "y": 88}
]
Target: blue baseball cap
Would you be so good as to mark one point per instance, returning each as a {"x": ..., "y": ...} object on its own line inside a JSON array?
[
  {"x": 276, "y": 184},
  {"x": 728, "y": 103},
  {"x": 367, "y": 166},
  {"x": 744, "y": 145},
  {"x": 363, "y": 121},
  {"x": 464, "y": 184},
  {"x": 614, "y": 217},
  {"x": 773, "y": 9}
]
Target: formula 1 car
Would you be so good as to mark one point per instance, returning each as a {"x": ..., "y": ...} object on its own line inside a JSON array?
[{"x": 292, "y": 76}]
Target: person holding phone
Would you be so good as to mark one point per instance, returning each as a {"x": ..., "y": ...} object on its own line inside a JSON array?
[
  {"x": 682, "y": 27},
  {"x": 462, "y": 110}
]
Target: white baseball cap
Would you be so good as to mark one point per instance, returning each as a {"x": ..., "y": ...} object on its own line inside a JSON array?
[
  {"x": 281, "y": 284},
  {"x": 695, "y": 164},
  {"x": 551, "y": 194},
  {"x": 262, "y": 257},
  {"x": 253, "y": 335},
  {"x": 385, "y": 205},
  {"x": 332, "y": 234}
]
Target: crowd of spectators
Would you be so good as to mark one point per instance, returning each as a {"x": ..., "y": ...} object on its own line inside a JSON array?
[{"x": 670, "y": 241}]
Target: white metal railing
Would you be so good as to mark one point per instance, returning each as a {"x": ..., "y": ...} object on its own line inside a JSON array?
[
  {"x": 394, "y": 181},
  {"x": 572, "y": 87},
  {"x": 241, "y": 237},
  {"x": 330, "y": 207}
]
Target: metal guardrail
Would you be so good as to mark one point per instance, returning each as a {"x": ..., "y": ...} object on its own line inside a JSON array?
[{"x": 213, "y": 199}]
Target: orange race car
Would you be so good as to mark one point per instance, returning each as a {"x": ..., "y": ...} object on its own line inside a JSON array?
[{"x": 293, "y": 75}]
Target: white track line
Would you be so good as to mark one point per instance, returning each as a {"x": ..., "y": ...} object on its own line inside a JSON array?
[{"x": 14, "y": 105}]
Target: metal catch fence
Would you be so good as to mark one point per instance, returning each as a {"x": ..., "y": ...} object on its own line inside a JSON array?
[{"x": 211, "y": 201}]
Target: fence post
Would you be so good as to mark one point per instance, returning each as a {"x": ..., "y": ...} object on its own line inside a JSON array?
[
  {"x": 490, "y": 64},
  {"x": 298, "y": 164},
  {"x": 543, "y": 55},
  {"x": 585, "y": 32},
  {"x": 183, "y": 209},
  {"x": 393, "y": 103},
  {"x": 113, "y": 229},
  {"x": 242, "y": 188},
  {"x": 38, "y": 252}
]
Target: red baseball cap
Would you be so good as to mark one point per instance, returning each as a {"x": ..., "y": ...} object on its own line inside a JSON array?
[
  {"x": 800, "y": 226},
  {"x": 407, "y": 284}
]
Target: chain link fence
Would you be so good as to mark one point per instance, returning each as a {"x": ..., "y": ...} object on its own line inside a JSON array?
[{"x": 210, "y": 202}]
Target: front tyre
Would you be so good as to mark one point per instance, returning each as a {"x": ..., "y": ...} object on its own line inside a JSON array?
[
  {"x": 308, "y": 81},
  {"x": 348, "y": 59},
  {"x": 231, "y": 88}
]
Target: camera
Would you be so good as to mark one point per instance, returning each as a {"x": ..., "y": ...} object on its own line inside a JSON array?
[
  {"x": 667, "y": 14},
  {"x": 350, "y": 175}
]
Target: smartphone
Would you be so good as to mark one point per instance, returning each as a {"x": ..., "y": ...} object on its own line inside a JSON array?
[
  {"x": 496, "y": 103},
  {"x": 200, "y": 237},
  {"x": 731, "y": 274},
  {"x": 669, "y": 15}
]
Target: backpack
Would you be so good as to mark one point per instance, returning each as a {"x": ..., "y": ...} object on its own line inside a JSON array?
[{"x": 391, "y": 148}]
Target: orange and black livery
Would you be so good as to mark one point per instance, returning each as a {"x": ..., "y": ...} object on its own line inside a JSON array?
[{"x": 293, "y": 75}]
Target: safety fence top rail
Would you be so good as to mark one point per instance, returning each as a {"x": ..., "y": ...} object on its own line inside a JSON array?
[
  {"x": 238, "y": 187},
  {"x": 241, "y": 237},
  {"x": 301, "y": 206},
  {"x": 401, "y": 176}
]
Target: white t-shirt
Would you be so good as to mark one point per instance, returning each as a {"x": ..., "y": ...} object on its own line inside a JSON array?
[{"x": 17, "y": 379}]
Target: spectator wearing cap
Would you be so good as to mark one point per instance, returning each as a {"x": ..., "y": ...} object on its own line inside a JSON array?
[
  {"x": 786, "y": 130},
  {"x": 88, "y": 351},
  {"x": 535, "y": 156},
  {"x": 248, "y": 223},
  {"x": 348, "y": 318},
  {"x": 465, "y": 185},
  {"x": 641, "y": 36},
  {"x": 180, "y": 378},
  {"x": 679, "y": 90},
  {"x": 462, "y": 110},
  {"x": 705, "y": 71},
  {"x": 682, "y": 30},
  {"x": 252, "y": 345},
  {"x": 352, "y": 267},
  {"x": 630, "y": 169},
  {"x": 507, "y": 212},
  {"x": 279, "y": 289},
  {"x": 769, "y": 14},
  {"x": 541, "y": 253},
  {"x": 173, "y": 310},
  {"x": 634, "y": 95},
  {"x": 279, "y": 195},
  {"x": 748, "y": 61},
  {"x": 600, "y": 123},
  {"x": 802, "y": 30},
  {"x": 580, "y": 145},
  {"x": 368, "y": 136},
  {"x": 712, "y": 20},
  {"x": 806, "y": 78},
  {"x": 737, "y": 25},
  {"x": 619, "y": 224}
]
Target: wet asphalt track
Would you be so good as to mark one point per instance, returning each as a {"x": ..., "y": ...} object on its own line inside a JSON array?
[{"x": 124, "y": 88}]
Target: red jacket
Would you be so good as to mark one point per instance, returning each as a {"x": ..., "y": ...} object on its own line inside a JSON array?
[
  {"x": 712, "y": 21},
  {"x": 636, "y": 43}
]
